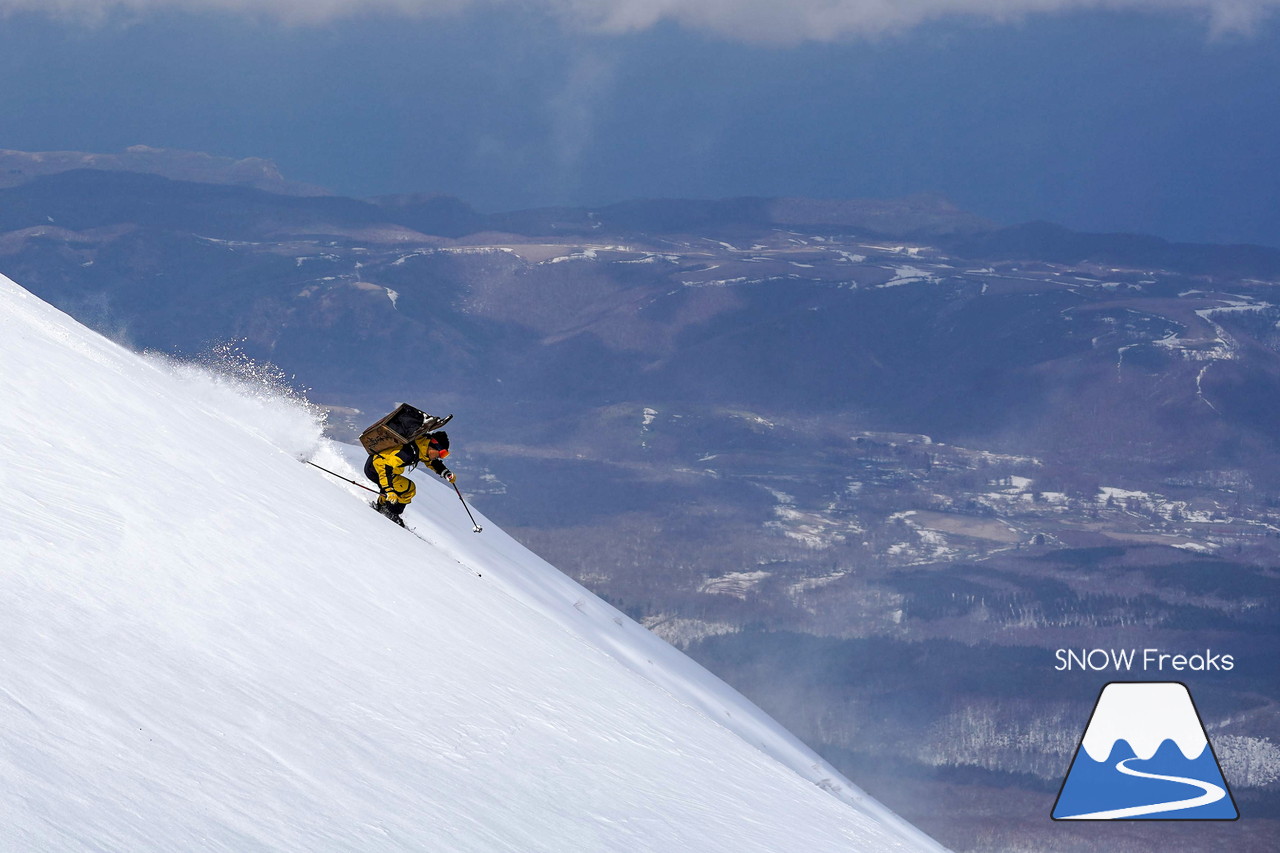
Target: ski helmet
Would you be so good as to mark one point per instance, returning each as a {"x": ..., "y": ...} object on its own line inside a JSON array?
[{"x": 440, "y": 441}]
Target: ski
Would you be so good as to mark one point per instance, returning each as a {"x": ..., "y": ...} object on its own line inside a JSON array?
[{"x": 433, "y": 423}]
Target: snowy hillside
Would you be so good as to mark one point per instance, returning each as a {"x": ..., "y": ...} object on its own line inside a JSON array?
[{"x": 205, "y": 645}]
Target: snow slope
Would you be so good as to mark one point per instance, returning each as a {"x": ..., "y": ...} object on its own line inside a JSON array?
[{"x": 207, "y": 646}]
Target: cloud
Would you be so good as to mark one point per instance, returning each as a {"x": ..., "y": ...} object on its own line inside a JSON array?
[
  {"x": 288, "y": 11},
  {"x": 834, "y": 20},
  {"x": 760, "y": 21}
]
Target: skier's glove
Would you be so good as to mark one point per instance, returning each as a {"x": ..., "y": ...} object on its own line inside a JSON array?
[{"x": 448, "y": 475}]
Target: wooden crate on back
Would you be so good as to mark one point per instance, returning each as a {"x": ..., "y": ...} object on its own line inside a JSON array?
[{"x": 400, "y": 427}]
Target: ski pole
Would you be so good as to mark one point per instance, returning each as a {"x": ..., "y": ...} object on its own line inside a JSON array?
[
  {"x": 475, "y": 527},
  {"x": 339, "y": 476}
]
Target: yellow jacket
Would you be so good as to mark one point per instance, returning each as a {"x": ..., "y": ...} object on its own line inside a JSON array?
[{"x": 387, "y": 468}]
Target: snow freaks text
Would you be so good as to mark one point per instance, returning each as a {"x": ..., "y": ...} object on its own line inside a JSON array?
[{"x": 1142, "y": 660}]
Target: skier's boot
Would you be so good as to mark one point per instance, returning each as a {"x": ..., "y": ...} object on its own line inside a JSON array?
[{"x": 390, "y": 510}]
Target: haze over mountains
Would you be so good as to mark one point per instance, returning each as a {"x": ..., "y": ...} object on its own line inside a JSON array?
[{"x": 871, "y": 461}]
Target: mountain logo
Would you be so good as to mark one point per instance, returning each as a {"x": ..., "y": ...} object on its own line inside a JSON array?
[{"x": 1144, "y": 755}]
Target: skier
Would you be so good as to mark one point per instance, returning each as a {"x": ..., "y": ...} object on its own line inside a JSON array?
[{"x": 387, "y": 468}]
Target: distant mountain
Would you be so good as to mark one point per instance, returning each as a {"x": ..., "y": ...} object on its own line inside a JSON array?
[
  {"x": 922, "y": 216},
  {"x": 86, "y": 199},
  {"x": 1044, "y": 241},
  {"x": 19, "y": 167},
  {"x": 431, "y": 213}
]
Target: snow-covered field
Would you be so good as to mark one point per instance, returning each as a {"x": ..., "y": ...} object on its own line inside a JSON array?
[{"x": 208, "y": 646}]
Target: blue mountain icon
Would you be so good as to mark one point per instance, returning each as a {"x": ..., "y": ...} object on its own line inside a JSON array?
[{"x": 1145, "y": 756}]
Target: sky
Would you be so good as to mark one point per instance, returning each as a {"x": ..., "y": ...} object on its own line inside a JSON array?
[
  {"x": 191, "y": 663},
  {"x": 1102, "y": 115}
]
